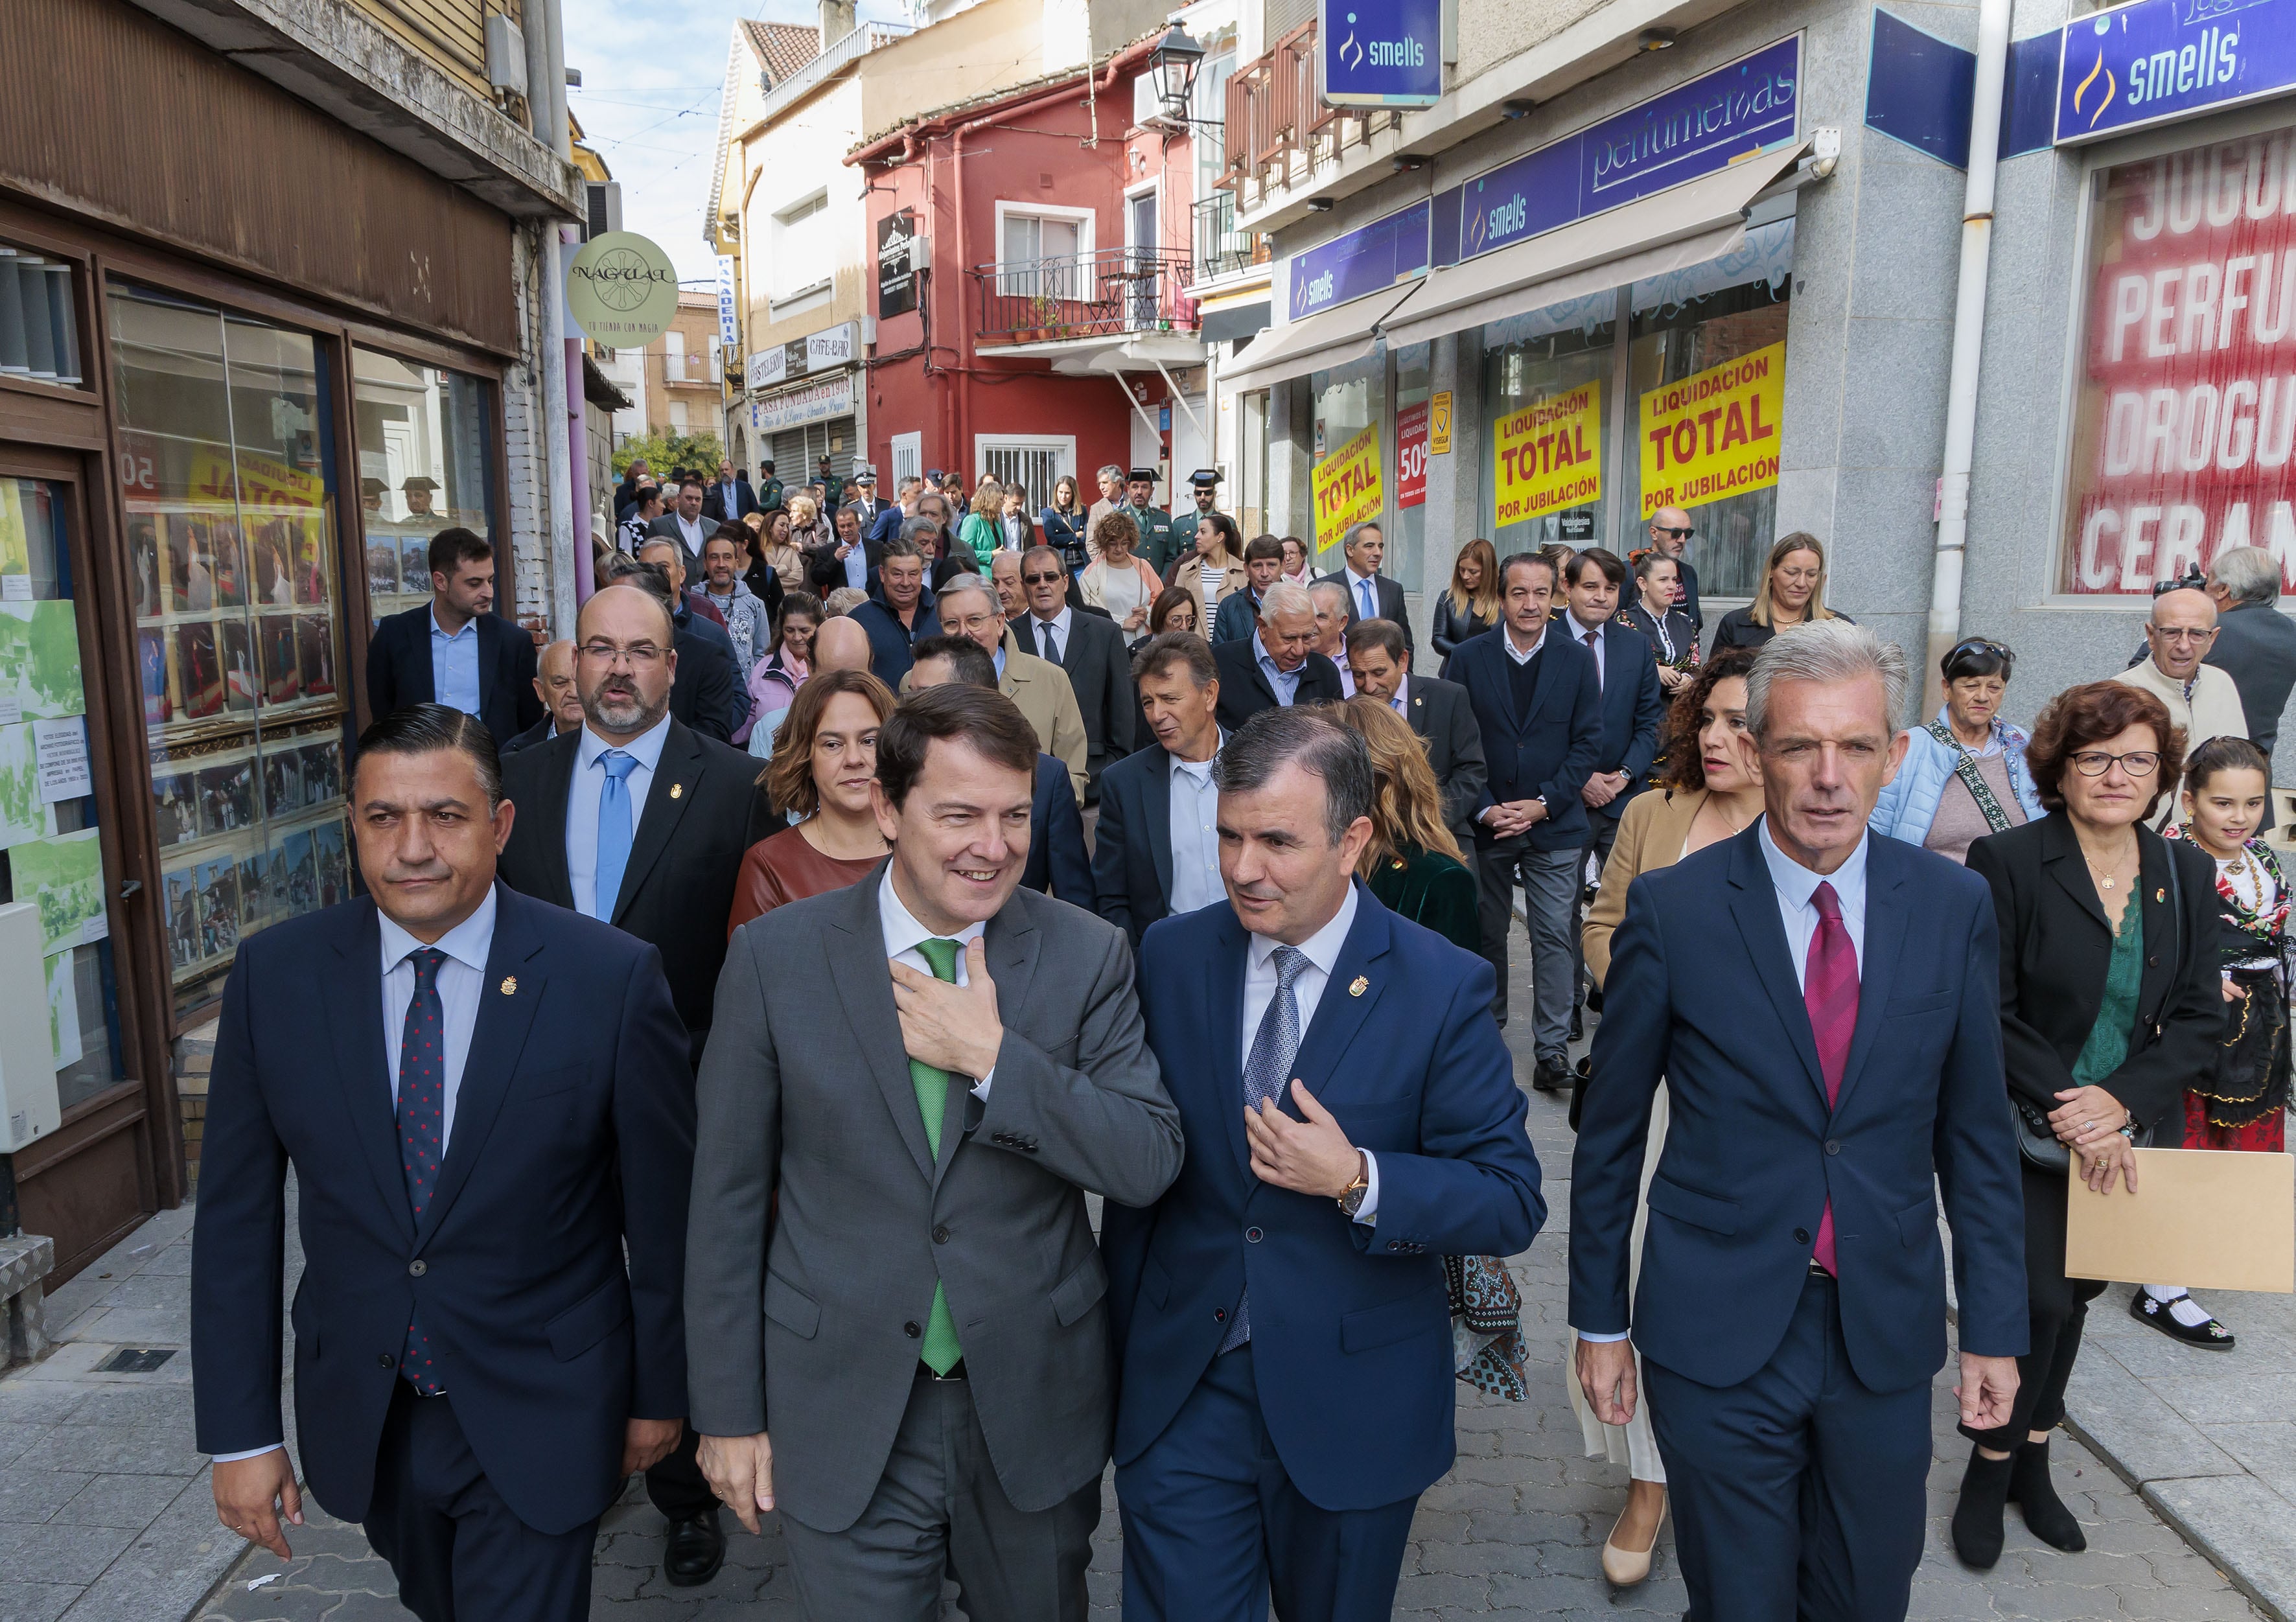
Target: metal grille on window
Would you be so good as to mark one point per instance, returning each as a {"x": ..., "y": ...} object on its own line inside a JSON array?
[
  {"x": 1035, "y": 469},
  {"x": 39, "y": 324}
]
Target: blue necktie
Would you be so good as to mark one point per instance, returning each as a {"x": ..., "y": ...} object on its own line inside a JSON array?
[
  {"x": 422, "y": 1129},
  {"x": 1369, "y": 605},
  {"x": 1266, "y": 1076},
  {"x": 615, "y": 828}
]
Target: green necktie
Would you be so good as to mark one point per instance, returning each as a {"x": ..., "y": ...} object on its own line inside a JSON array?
[{"x": 941, "y": 1352}]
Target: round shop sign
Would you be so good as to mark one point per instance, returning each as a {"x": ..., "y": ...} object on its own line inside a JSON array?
[{"x": 621, "y": 289}]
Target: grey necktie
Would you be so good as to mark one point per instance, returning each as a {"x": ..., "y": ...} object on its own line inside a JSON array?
[{"x": 1265, "y": 1075}]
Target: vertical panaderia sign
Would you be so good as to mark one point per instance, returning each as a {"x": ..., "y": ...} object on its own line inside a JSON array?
[
  {"x": 1380, "y": 52},
  {"x": 2186, "y": 406},
  {"x": 897, "y": 270},
  {"x": 729, "y": 319}
]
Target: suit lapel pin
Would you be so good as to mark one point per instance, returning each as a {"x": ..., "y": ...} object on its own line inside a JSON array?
[
  {"x": 676, "y": 789},
  {"x": 1358, "y": 986},
  {"x": 510, "y": 985},
  {"x": 2160, "y": 895}
]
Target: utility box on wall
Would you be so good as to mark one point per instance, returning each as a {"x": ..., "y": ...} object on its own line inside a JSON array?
[{"x": 29, "y": 1108}]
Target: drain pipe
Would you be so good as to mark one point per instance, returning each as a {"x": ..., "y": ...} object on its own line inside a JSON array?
[{"x": 1968, "y": 345}]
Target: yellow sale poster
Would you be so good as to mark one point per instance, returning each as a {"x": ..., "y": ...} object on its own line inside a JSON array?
[
  {"x": 1347, "y": 487},
  {"x": 261, "y": 482},
  {"x": 1715, "y": 433},
  {"x": 1549, "y": 455}
]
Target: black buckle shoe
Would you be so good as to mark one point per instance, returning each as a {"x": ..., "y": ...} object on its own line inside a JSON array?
[
  {"x": 1549, "y": 1077},
  {"x": 2209, "y": 1337},
  {"x": 694, "y": 1550}
]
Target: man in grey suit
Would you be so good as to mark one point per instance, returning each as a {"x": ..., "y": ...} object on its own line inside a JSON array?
[
  {"x": 928, "y": 1069},
  {"x": 2256, "y": 643},
  {"x": 1438, "y": 711}
]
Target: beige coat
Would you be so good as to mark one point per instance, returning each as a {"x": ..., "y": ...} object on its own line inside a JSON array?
[
  {"x": 1650, "y": 836},
  {"x": 2213, "y": 711},
  {"x": 1041, "y": 689}
]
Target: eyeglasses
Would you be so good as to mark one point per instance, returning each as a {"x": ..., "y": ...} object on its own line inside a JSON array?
[
  {"x": 642, "y": 656},
  {"x": 1679, "y": 534},
  {"x": 2097, "y": 763},
  {"x": 2183, "y": 634}
]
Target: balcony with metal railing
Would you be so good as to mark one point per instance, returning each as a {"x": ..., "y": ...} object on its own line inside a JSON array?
[
  {"x": 1113, "y": 293},
  {"x": 1222, "y": 249},
  {"x": 1278, "y": 128}
]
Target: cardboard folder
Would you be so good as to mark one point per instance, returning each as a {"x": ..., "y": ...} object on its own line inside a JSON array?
[{"x": 2208, "y": 1219}]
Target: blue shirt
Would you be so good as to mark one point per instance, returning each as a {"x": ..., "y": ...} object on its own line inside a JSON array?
[
  {"x": 1195, "y": 835},
  {"x": 582, "y": 805},
  {"x": 1285, "y": 683},
  {"x": 1796, "y": 884},
  {"x": 455, "y": 665},
  {"x": 857, "y": 567}
]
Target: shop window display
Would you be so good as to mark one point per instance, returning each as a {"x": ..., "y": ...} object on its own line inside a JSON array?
[
  {"x": 1547, "y": 378},
  {"x": 1349, "y": 470},
  {"x": 423, "y": 467},
  {"x": 50, "y": 849},
  {"x": 227, "y": 463}
]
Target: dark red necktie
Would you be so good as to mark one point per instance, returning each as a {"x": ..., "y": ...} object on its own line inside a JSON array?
[{"x": 1829, "y": 991}]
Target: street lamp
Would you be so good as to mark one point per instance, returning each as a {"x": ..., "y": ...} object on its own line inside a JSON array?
[{"x": 1174, "y": 62}]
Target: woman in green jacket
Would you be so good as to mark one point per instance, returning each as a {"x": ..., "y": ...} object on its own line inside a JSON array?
[
  {"x": 1412, "y": 864},
  {"x": 980, "y": 529}
]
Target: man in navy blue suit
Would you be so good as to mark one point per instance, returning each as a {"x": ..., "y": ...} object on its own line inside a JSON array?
[
  {"x": 1825, "y": 1009},
  {"x": 1538, "y": 699},
  {"x": 1280, "y": 1312},
  {"x": 456, "y": 650},
  {"x": 485, "y": 1100}
]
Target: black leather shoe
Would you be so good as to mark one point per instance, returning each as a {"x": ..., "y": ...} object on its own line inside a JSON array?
[
  {"x": 695, "y": 1549},
  {"x": 1594, "y": 1000},
  {"x": 1577, "y": 1026},
  {"x": 1549, "y": 1077}
]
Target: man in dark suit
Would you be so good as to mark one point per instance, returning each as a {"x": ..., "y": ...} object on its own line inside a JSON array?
[
  {"x": 710, "y": 695},
  {"x": 456, "y": 650},
  {"x": 1056, "y": 865},
  {"x": 1156, "y": 850},
  {"x": 2256, "y": 643},
  {"x": 1825, "y": 1009},
  {"x": 484, "y": 1103},
  {"x": 1239, "y": 611},
  {"x": 730, "y": 500},
  {"x": 864, "y": 504},
  {"x": 1293, "y": 1273},
  {"x": 1278, "y": 665},
  {"x": 1371, "y": 594},
  {"x": 1669, "y": 531},
  {"x": 1090, "y": 648},
  {"x": 1439, "y": 712},
  {"x": 1539, "y": 704},
  {"x": 912, "y": 1085},
  {"x": 684, "y": 524},
  {"x": 891, "y": 515},
  {"x": 1633, "y": 708},
  {"x": 899, "y": 612},
  {"x": 642, "y": 822}
]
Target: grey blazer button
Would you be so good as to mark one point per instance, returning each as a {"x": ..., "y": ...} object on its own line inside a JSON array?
[
  {"x": 418, "y": 1268},
  {"x": 941, "y": 1236},
  {"x": 1832, "y": 1147},
  {"x": 911, "y": 1331},
  {"x": 1254, "y": 1235}
]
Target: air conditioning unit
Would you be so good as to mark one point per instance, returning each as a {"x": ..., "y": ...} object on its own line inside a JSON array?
[
  {"x": 505, "y": 54},
  {"x": 603, "y": 210}
]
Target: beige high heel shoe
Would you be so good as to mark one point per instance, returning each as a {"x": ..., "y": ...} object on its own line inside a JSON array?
[{"x": 1624, "y": 1568}]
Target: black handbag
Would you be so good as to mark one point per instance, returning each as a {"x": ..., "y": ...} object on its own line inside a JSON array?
[{"x": 2037, "y": 1143}]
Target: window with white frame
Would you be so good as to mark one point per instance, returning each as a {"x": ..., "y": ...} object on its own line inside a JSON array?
[
  {"x": 908, "y": 459},
  {"x": 1034, "y": 460},
  {"x": 1043, "y": 252},
  {"x": 673, "y": 357},
  {"x": 802, "y": 252}
]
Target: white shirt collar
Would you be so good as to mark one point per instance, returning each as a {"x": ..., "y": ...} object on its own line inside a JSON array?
[
  {"x": 1322, "y": 947},
  {"x": 1058, "y": 622},
  {"x": 1355, "y": 578},
  {"x": 1798, "y": 884},
  {"x": 467, "y": 943},
  {"x": 646, "y": 746},
  {"x": 1578, "y": 627},
  {"x": 903, "y": 932},
  {"x": 1521, "y": 656}
]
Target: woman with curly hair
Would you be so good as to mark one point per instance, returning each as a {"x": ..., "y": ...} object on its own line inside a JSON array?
[
  {"x": 1711, "y": 791},
  {"x": 1118, "y": 581},
  {"x": 2110, "y": 1005},
  {"x": 809, "y": 531}
]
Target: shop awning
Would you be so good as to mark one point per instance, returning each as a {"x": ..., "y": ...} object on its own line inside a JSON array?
[
  {"x": 1689, "y": 225},
  {"x": 1317, "y": 343}
]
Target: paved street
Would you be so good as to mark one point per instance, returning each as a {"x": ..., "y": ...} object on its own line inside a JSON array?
[{"x": 104, "y": 1510}]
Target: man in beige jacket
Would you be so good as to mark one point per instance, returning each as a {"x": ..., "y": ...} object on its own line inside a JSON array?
[
  {"x": 968, "y": 606},
  {"x": 2202, "y": 699}
]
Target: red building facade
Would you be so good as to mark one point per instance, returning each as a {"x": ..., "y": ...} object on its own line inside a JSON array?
[{"x": 1049, "y": 321}]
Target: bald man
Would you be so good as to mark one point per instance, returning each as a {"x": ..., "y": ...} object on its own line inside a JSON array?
[
  {"x": 840, "y": 644},
  {"x": 637, "y": 819},
  {"x": 2202, "y": 699},
  {"x": 553, "y": 684},
  {"x": 1669, "y": 531}
]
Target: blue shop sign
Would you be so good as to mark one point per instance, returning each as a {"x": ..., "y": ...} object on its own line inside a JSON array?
[
  {"x": 1380, "y": 52},
  {"x": 1382, "y": 254},
  {"x": 1694, "y": 129},
  {"x": 2160, "y": 60}
]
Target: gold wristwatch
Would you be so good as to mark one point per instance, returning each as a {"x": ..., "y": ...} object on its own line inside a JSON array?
[{"x": 1351, "y": 1198}]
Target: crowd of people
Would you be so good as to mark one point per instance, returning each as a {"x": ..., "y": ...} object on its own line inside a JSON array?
[{"x": 865, "y": 883}]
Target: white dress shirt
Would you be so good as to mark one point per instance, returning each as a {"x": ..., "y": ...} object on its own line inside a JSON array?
[
  {"x": 582, "y": 805},
  {"x": 1795, "y": 885},
  {"x": 902, "y": 934},
  {"x": 1196, "y": 880},
  {"x": 1579, "y": 634},
  {"x": 1521, "y": 656},
  {"x": 461, "y": 978},
  {"x": 1259, "y": 982},
  {"x": 696, "y": 531},
  {"x": 1060, "y": 625}
]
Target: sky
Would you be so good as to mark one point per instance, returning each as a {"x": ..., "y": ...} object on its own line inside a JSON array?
[{"x": 652, "y": 72}]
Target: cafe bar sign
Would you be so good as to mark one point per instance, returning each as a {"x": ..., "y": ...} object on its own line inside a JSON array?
[{"x": 2161, "y": 59}]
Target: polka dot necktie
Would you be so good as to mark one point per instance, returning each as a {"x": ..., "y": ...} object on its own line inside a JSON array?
[{"x": 422, "y": 1128}]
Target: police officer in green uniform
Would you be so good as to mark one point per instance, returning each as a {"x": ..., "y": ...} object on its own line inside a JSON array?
[
  {"x": 769, "y": 488},
  {"x": 1155, "y": 523}
]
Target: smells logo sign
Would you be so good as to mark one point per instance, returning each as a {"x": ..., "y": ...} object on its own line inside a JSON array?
[{"x": 1382, "y": 53}]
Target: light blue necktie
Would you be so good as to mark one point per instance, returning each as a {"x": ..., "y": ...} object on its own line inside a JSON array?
[
  {"x": 1370, "y": 606},
  {"x": 614, "y": 830},
  {"x": 1266, "y": 1073}
]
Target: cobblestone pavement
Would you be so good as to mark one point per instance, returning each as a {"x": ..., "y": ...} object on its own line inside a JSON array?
[{"x": 1513, "y": 1531}]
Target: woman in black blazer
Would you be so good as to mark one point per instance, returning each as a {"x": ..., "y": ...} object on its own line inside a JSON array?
[
  {"x": 2106, "y": 1016},
  {"x": 1470, "y": 606}
]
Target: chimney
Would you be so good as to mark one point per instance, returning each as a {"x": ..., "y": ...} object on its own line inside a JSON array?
[{"x": 837, "y": 20}]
